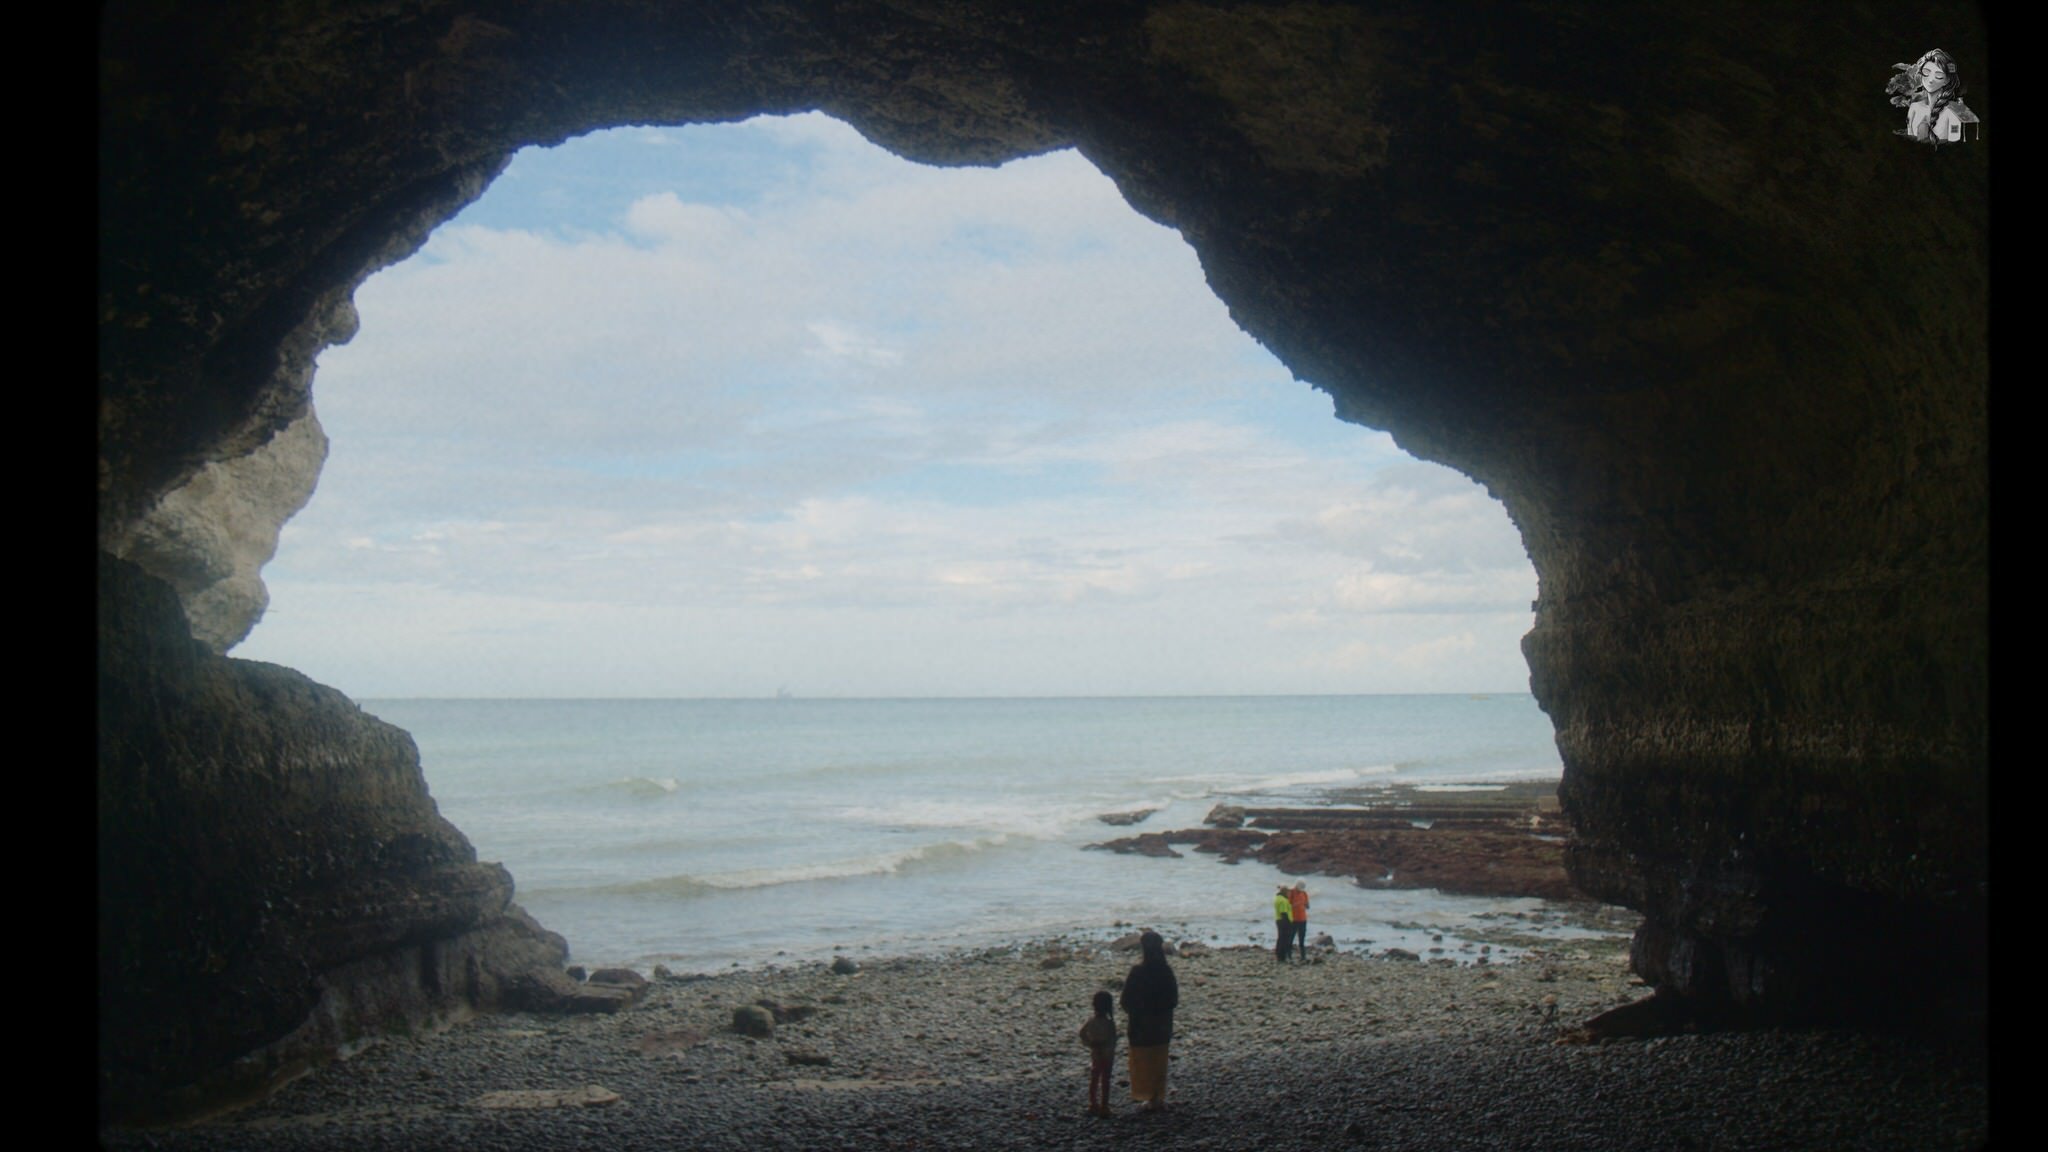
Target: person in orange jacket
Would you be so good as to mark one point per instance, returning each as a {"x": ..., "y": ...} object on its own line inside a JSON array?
[{"x": 1297, "y": 901}]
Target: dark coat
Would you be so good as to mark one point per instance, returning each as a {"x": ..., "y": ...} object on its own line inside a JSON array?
[{"x": 1150, "y": 995}]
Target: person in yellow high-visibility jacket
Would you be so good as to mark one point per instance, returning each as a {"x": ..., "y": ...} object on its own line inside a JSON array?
[{"x": 1283, "y": 924}]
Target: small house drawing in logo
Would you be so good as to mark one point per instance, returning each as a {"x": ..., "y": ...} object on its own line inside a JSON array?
[{"x": 1931, "y": 91}]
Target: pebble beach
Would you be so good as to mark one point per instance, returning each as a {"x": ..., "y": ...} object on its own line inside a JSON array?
[{"x": 979, "y": 1050}]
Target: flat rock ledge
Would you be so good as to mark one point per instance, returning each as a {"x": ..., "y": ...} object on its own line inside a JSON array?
[{"x": 1506, "y": 842}]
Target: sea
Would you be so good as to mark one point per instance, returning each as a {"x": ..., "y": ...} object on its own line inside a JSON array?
[{"x": 702, "y": 835}]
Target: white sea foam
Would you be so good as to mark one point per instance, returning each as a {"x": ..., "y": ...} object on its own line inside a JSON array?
[
  {"x": 1195, "y": 786},
  {"x": 639, "y": 787},
  {"x": 1009, "y": 817},
  {"x": 1325, "y": 777},
  {"x": 643, "y": 786},
  {"x": 878, "y": 864}
]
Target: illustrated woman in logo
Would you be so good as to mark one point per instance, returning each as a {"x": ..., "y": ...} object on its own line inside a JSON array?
[{"x": 1930, "y": 90}]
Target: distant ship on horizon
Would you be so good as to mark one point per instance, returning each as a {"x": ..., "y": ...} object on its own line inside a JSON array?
[{"x": 782, "y": 693}]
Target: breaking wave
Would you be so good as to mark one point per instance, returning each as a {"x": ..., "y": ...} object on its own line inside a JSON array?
[
  {"x": 642, "y": 786},
  {"x": 1198, "y": 787},
  {"x": 943, "y": 854}
]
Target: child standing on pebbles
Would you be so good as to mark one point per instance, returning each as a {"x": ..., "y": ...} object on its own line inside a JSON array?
[{"x": 1099, "y": 1034}]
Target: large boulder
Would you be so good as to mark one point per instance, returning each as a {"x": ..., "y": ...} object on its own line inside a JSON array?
[
  {"x": 625, "y": 980},
  {"x": 753, "y": 1020}
]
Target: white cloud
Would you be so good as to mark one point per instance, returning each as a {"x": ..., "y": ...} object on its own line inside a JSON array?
[
  {"x": 1366, "y": 591},
  {"x": 845, "y": 342},
  {"x": 664, "y": 217}
]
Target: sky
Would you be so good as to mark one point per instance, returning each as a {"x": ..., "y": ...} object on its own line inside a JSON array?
[{"x": 732, "y": 410}]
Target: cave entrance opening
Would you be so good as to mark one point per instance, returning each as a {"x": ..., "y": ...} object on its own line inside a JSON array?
[{"x": 741, "y": 517}]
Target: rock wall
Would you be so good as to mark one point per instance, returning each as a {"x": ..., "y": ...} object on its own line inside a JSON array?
[
  {"x": 1665, "y": 281},
  {"x": 274, "y": 881},
  {"x": 211, "y": 536}
]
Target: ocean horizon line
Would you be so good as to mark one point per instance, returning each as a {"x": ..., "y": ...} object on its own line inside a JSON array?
[{"x": 784, "y": 698}]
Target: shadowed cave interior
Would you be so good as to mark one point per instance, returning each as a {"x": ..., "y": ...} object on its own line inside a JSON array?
[{"x": 1730, "y": 387}]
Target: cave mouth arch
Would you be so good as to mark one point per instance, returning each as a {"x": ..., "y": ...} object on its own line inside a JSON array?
[
  {"x": 1166, "y": 470},
  {"x": 1749, "y": 464}
]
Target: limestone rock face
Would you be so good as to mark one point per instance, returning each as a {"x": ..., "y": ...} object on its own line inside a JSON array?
[
  {"x": 274, "y": 880},
  {"x": 1661, "y": 277},
  {"x": 211, "y": 537}
]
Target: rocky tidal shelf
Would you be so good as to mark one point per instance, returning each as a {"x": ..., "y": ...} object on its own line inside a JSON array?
[{"x": 1494, "y": 841}]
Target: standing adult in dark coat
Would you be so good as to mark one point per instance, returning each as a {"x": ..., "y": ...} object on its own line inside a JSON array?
[{"x": 1150, "y": 995}]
